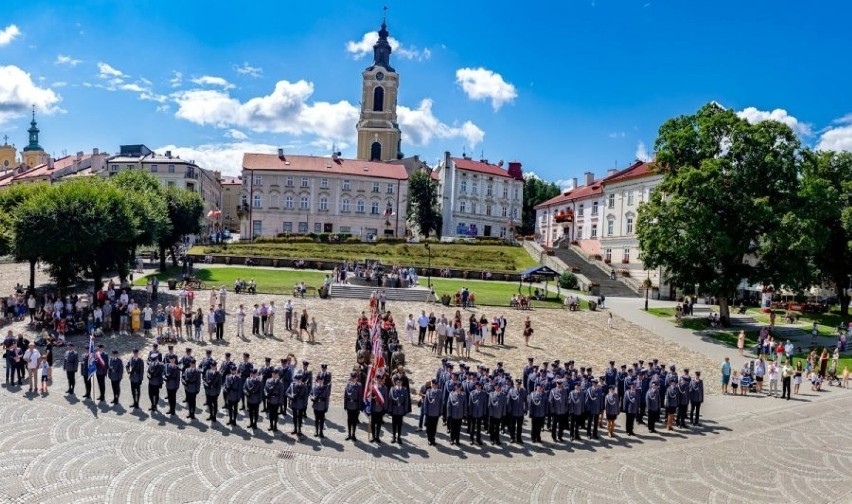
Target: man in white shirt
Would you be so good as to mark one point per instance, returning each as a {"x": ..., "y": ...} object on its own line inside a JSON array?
[
  {"x": 32, "y": 358},
  {"x": 441, "y": 329},
  {"x": 270, "y": 321},
  {"x": 124, "y": 298},
  {"x": 423, "y": 323}
]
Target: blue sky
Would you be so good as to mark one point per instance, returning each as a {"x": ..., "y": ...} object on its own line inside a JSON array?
[{"x": 565, "y": 88}]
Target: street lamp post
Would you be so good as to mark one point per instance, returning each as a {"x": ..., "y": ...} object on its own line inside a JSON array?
[{"x": 429, "y": 264}]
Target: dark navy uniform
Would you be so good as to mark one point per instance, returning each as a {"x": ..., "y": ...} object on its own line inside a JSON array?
[
  {"x": 244, "y": 369},
  {"x": 155, "y": 382},
  {"x": 516, "y": 406},
  {"x": 574, "y": 412},
  {"x": 72, "y": 359},
  {"x": 683, "y": 402},
  {"x": 298, "y": 394},
  {"x": 631, "y": 407},
  {"x": 432, "y": 408},
  {"x": 101, "y": 371},
  {"x": 233, "y": 391},
  {"x": 558, "y": 405},
  {"x": 273, "y": 391},
  {"x": 171, "y": 375},
  {"x": 455, "y": 410},
  {"x": 135, "y": 372},
  {"x": 352, "y": 401},
  {"x": 496, "y": 412},
  {"x": 115, "y": 373},
  {"x": 611, "y": 409},
  {"x": 652, "y": 406},
  {"x": 592, "y": 407},
  {"x": 253, "y": 395},
  {"x": 191, "y": 386},
  {"x": 477, "y": 409},
  {"x": 212, "y": 389},
  {"x": 400, "y": 403},
  {"x": 538, "y": 411},
  {"x": 320, "y": 395},
  {"x": 378, "y": 398},
  {"x": 696, "y": 397}
]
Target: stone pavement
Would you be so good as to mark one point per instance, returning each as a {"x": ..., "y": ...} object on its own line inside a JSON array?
[{"x": 750, "y": 449}]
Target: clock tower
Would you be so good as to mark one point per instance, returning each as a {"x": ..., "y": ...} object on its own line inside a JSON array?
[{"x": 378, "y": 130}]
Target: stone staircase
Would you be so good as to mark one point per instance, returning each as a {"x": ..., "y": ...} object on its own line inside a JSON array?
[
  {"x": 609, "y": 288},
  {"x": 415, "y": 294}
]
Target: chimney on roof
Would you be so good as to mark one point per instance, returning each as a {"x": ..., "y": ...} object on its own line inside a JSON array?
[
  {"x": 50, "y": 163},
  {"x": 280, "y": 153},
  {"x": 589, "y": 178},
  {"x": 611, "y": 171},
  {"x": 95, "y": 151},
  {"x": 515, "y": 170},
  {"x": 334, "y": 156},
  {"x": 169, "y": 154},
  {"x": 574, "y": 183},
  {"x": 79, "y": 155},
  {"x": 500, "y": 163}
]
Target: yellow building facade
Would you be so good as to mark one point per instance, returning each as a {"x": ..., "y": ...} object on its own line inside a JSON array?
[{"x": 378, "y": 129}]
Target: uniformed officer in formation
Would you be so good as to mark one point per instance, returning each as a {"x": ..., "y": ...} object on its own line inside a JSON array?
[
  {"x": 477, "y": 408},
  {"x": 672, "y": 399},
  {"x": 400, "y": 402},
  {"x": 155, "y": 382},
  {"x": 171, "y": 378},
  {"x": 253, "y": 396},
  {"x": 559, "y": 407},
  {"x": 320, "y": 397},
  {"x": 101, "y": 371},
  {"x": 631, "y": 407},
  {"x": 576, "y": 403},
  {"x": 274, "y": 393},
  {"x": 244, "y": 369},
  {"x": 696, "y": 397},
  {"x": 352, "y": 402},
  {"x": 298, "y": 395},
  {"x": 652, "y": 406},
  {"x": 72, "y": 359},
  {"x": 611, "y": 409},
  {"x": 135, "y": 371},
  {"x": 191, "y": 379},
  {"x": 496, "y": 412},
  {"x": 212, "y": 388},
  {"x": 115, "y": 372},
  {"x": 516, "y": 406},
  {"x": 432, "y": 403},
  {"x": 84, "y": 372},
  {"x": 265, "y": 374},
  {"x": 233, "y": 393},
  {"x": 456, "y": 407},
  {"x": 592, "y": 406}
]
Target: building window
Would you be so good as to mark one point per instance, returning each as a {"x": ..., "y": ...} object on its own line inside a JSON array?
[
  {"x": 129, "y": 167},
  {"x": 288, "y": 202},
  {"x": 462, "y": 206},
  {"x": 170, "y": 183},
  {"x": 502, "y": 231},
  {"x": 608, "y": 255},
  {"x": 505, "y": 212},
  {"x": 473, "y": 207},
  {"x": 580, "y": 210},
  {"x": 594, "y": 233},
  {"x": 303, "y": 227},
  {"x": 580, "y": 234},
  {"x": 288, "y": 227},
  {"x": 359, "y": 206},
  {"x": 515, "y": 213},
  {"x": 323, "y": 204},
  {"x": 463, "y": 186},
  {"x": 489, "y": 190},
  {"x": 505, "y": 191},
  {"x": 154, "y": 168},
  {"x": 390, "y": 188},
  {"x": 517, "y": 194},
  {"x": 374, "y": 208},
  {"x": 305, "y": 182},
  {"x": 379, "y": 99},
  {"x": 258, "y": 180},
  {"x": 344, "y": 205},
  {"x": 303, "y": 203},
  {"x": 273, "y": 200},
  {"x": 345, "y": 229},
  {"x": 626, "y": 257},
  {"x": 376, "y": 151},
  {"x": 610, "y": 226},
  {"x": 488, "y": 210},
  {"x": 289, "y": 182},
  {"x": 257, "y": 201},
  {"x": 630, "y": 225},
  {"x": 346, "y": 184},
  {"x": 256, "y": 228},
  {"x": 375, "y": 187},
  {"x": 630, "y": 198},
  {"x": 324, "y": 183},
  {"x": 317, "y": 227},
  {"x": 611, "y": 201},
  {"x": 114, "y": 168},
  {"x": 171, "y": 168},
  {"x": 595, "y": 208},
  {"x": 474, "y": 189}
]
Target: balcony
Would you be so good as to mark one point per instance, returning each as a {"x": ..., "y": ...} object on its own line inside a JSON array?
[
  {"x": 564, "y": 216},
  {"x": 191, "y": 174}
]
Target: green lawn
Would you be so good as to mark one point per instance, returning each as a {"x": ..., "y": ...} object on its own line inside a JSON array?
[
  {"x": 496, "y": 258},
  {"x": 493, "y": 293},
  {"x": 268, "y": 281},
  {"x": 730, "y": 337},
  {"x": 826, "y": 322},
  {"x": 662, "y": 312}
]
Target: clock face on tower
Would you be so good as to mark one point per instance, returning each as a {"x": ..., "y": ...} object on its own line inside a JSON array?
[{"x": 380, "y": 76}]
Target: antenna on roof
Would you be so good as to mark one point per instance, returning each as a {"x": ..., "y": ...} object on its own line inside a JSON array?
[{"x": 464, "y": 151}]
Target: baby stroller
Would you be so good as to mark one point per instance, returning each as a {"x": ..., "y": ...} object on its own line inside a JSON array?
[{"x": 832, "y": 378}]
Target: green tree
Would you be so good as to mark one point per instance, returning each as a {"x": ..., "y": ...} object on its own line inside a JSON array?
[
  {"x": 422, "y": 207},
  {"x": 185, "y": 210},
  {"x": 726, "y": 186},
  {"x": 12, "y": 199},
  {"x": 82, "y": 226},
  {"x": 535, "y": 191}
]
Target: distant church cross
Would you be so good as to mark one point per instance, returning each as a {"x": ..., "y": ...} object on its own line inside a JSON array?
[{"x": 6, "y": 139}]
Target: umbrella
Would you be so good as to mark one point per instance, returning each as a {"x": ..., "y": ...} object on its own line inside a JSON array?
[{"x": 214, "y": 213}]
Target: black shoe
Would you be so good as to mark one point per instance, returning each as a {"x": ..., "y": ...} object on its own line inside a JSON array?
[
  {"x": 87, "y": 397},
  {"x": 348, "y": 438},
  {"x": 101, "y": 398}
]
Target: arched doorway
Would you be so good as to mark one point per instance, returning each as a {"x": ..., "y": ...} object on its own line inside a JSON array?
[{"x": 376, "y": 152}]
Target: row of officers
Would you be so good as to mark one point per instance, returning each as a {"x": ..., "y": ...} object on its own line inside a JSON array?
[{"x": 492, "y": 402}]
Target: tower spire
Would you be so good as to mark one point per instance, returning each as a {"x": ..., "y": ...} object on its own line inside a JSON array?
[{"x": 382, "y": 49}]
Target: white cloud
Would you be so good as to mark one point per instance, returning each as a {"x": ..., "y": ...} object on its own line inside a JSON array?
[
  {"x": 483, "y": 84},
  {"x": 106, "y": 71},
  {"x": 58, "y": 84},
  {"x": 246, "y": 69},
  {"x": 642, "y": 152},
  {"x": 285, "y": 110},
  {"x": 66, "y": 60},
  {"x": 176, "y": 80},
  {"x": 617, "y": 134},
  {"x": 359, "y": 49},
  {"x": 136, "y": 88},
  {"x": 209, "y": 80},
  {"x": 839, "y": 137},
  {"x": 18, "y": 93},
  {"x": 225, "y": 157},
  {"x": 236, "y": 134},
  {"x": 753, "y": 115},
  {"x": 564, "y": 184},
  {"x": 9, "y": 34},
  {"x": 419, "y": 126}
]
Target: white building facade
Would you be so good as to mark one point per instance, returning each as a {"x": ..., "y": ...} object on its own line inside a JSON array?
[{"x": 478, "y": 198}]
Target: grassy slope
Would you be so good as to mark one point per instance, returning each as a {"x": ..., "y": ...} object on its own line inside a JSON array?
[{"x": 474, "y": 257}]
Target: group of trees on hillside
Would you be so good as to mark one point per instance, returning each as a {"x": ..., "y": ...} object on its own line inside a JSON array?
[
  {"x": 742, "y": 201},
  {"x": 91, "y": 226}
]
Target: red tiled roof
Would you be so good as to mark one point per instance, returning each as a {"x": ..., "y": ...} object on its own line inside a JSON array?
[
  {"x": 573, "y": 194},
  {"x": 637, "y": 169},
  {"x": 293, "y": 163},
  {"x": 480, "y": 166},
  {"x": 44, "y": 170},
  {"x": 232, "y": 181}
]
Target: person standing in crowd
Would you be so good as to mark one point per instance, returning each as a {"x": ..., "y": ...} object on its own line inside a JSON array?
[
  {"x": 191, "y": 379},
  {"x": 786, "y": 376},
  {"x": 611, "y": 410},
  {"x": 422, "y": 326},
  {"x": 696, "y": 397},
  {"x": 155, "y": 382},
  {"x": 72, "y": 359},
  {"x": 303, "y": 324},
  {"x": 233, "y": 394},
  {"x": 726, "y": 374},
  {"x": 592, "y": 407},
  {"x": 298, "y": 395},
  {"x": 528, "y": 331},
  {"x": 352, "y": 394},
  {"x": 255, "y": 320},
  {"x": 377, "y": 409},
  {"x": 631, "y": 406},
  {"x": 241, "y": 321},
  {"x": 455, "y": 408},
  {"x": 32, "y": 357},
  {"x": 400, "y": 404},
  {"x": 496, "y": 412},
  {"x": 270, "y": 319},
  {"x": 516, "y": 408},
  {"x": 537, "y": 411},
  {"x": 115, "y": 373},
  {"x": 101, "y": 360},
  {"x": 219, "y": 318},
  {"x": 288, "y": 316},
  {"x": 432, "y": 402},
  {"x": 652, "y": 405},
  {"x": 573, "y": 413}
]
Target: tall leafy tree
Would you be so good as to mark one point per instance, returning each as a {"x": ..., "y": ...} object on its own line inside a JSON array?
[
  {"x": 12, "y": 199},
  {"x": 727, "y": 184},
  {"x": 535, "y": 191},
  {"x": 422, "y": 206},
  {"x": 185, "y": 211}
]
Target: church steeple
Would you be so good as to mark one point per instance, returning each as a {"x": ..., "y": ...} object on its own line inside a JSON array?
[
  {"x": 382, "y": 49},
  {"x": 33, "y": 131}
]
